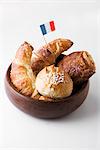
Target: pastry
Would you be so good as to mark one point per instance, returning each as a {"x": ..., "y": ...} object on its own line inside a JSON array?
[
  {"x": 53, "y": 82},
  {"x": 47, "y": 55},
  {"x": 35, "y": 94},
  {"x": 21, "y": 74},
  {"x": 44, "y": 98},
  {"x": 79, "y": 65}
]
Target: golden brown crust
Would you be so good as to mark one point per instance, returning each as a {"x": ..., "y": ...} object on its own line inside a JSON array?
[
  {"x": 35, "y": 94},
  {"x": 44, "y": 98},
  {"x": 47, "y": 55},
  {"x": 53, "y": 82},
  {"x": 79, "y": 65},
  {"x": 24, "y": 53},
  {"x": 21, "y": 73}
]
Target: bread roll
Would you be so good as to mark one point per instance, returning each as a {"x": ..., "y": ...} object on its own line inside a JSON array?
[
  {"x": 79, "y": 65},
  {"x": 47, "y": 55},
  {"x": 53, "y": 82},
  {"x": 21, "y": 73}
]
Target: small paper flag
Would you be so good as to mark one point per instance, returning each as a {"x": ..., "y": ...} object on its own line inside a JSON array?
[{"x": 47, "y": 27}]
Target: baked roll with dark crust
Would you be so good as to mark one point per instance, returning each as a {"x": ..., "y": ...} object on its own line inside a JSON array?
[
  {"x": 79, "y": 65},
  {"x": 47, "y": 55}
]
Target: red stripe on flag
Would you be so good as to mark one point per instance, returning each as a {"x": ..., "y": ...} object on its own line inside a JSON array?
[{"x": 52, "y": 26}]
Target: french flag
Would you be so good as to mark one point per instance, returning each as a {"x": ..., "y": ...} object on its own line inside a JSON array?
[{"x": 47, "y": 27}]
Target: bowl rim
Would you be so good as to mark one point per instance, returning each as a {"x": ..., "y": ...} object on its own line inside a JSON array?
[{"x": 27, "y": 98}]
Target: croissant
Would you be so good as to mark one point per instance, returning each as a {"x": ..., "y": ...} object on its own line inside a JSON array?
[
  {"x": 79, "y": 65},
  {"x": 21, "y": 74},
  {"x": 47, "y": 55}
]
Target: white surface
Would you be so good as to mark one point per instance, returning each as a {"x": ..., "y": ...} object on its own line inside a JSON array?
[{"x": 76, "y": 21}]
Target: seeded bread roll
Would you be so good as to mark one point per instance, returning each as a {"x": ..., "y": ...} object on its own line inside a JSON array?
[
  {"x": 47, "y": 55},
  {"x": 53, "y": 82},
  {"x": 79, "y": 65}
]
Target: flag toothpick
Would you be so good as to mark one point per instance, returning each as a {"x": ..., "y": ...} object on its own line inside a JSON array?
[{"x": 46, "y": 28}]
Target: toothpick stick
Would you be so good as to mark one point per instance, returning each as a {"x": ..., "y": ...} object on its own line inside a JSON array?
[{"x": 45, "y": 40}]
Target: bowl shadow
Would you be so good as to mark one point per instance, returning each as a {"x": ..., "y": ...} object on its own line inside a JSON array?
[{"x": 89, "y": 109}]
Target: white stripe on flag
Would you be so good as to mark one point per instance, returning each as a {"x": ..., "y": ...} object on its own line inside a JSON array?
[{"x": 47, "y": 26}]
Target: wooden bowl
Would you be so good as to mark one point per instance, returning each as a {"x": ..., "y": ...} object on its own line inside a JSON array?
[{"x": 45, "y": 109}]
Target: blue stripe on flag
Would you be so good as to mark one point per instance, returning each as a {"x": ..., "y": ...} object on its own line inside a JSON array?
[{"x": 43, "y": 29}]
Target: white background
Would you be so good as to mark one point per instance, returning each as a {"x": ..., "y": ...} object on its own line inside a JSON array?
[{"x": 78, "y": 21}]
